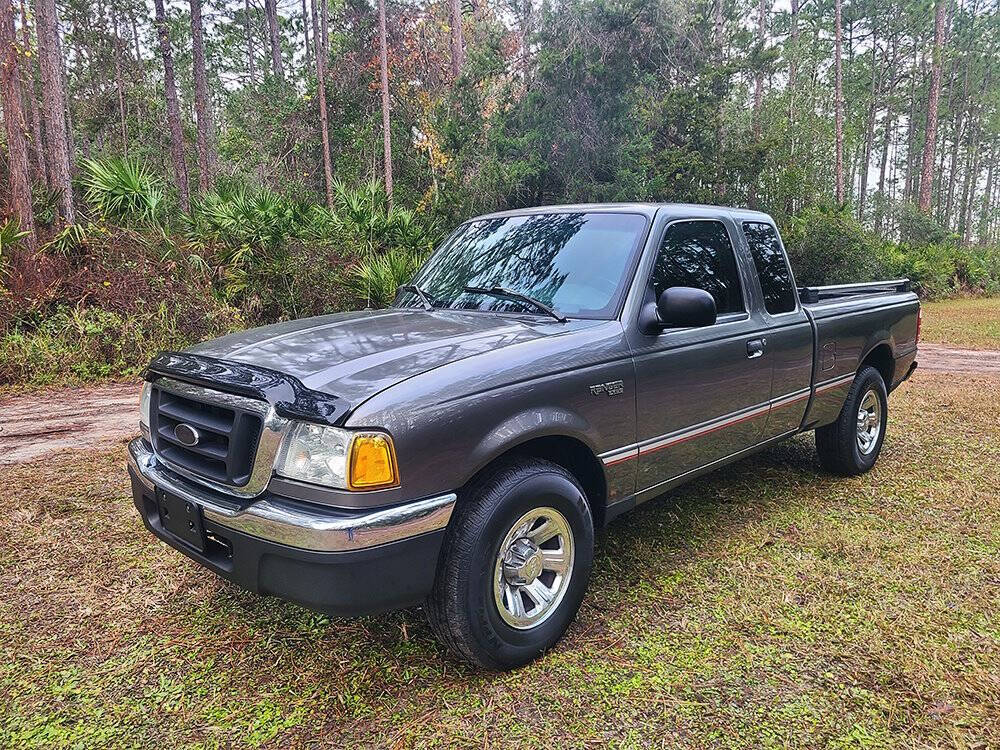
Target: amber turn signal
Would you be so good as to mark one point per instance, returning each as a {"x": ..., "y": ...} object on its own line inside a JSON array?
[{"x": 372, "y": 462}]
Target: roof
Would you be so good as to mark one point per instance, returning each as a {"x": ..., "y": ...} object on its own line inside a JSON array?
[{"x": 694, "y": 210}]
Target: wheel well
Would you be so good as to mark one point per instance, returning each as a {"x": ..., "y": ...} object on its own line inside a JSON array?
[
  {"x": 574, "y": 456},
  {"x": 881, "y": 359}
]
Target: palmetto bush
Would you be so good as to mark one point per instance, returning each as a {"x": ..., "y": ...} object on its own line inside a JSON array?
[
  {"x": 375, "y": 278},
  {"x": 124, "y": 191},
  {"x": 242, "y": 219},
  {"x": 247, "y": 236},
  {"x": 11, "y": 234},
  {"x": 362, "y": 222}
]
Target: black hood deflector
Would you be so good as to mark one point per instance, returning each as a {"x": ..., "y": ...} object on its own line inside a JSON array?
[{"x": 289, "y": 397}]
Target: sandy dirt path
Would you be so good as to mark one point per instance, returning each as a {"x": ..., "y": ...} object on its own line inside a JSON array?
[
  {"x": 940, "y": 358},
  {"x": 67, "y": 419},
  {"x": 38, "y": 425}
]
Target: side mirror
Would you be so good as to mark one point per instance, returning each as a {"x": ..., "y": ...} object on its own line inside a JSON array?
[{"x": 680, "y": 307}]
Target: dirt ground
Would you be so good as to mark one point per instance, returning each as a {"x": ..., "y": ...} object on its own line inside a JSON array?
[
  {"x": 88, "y": 417},
  {"x": 65, "y": 419}
]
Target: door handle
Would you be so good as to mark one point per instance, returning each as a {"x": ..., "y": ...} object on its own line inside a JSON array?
[{"x": 755, "y": 348}]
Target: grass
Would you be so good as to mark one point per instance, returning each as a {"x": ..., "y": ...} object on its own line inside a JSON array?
[
  {"x": 767, "y": 605},
  {"x": 964, "y": 323}
]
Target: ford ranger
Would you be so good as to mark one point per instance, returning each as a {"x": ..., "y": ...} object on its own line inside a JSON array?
[{"x": 546, "y": 370}]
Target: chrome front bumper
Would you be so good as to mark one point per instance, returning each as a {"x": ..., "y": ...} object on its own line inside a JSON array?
[{"x": 294, "y": 523}]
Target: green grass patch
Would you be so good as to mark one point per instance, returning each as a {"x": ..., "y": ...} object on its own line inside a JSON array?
[
  {"x": 766, "y": 605},
  {"x": 968, "y": 323}
]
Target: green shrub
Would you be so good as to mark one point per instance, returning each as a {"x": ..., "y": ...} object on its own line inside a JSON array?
[
  {"x": 275, "y": 258},
  {"x": 125, "y": 191},
  {"x": 45, "y": 204},
  {"x": 828, "y": 246},
  {"x": 10, "y": 235},
  {"x": 930, "y": 267},
  {"x": 242, "y": 220},
  {"x": 375, "y": 278},
  {"x": 917, "y": 228},
  {"x": 87, "y": 343},
  {"x": 72, "y": 239},
  {"x": 943, "y": 270},
  {"x": 979, "y": 269}
]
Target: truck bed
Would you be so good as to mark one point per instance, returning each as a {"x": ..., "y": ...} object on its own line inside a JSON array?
[
  {"x": 875, "y": 323},
  {"x": 814, "y": 294}
]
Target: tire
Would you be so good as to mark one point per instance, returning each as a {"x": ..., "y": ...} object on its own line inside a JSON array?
[
  {"x": 463, "y": 608},
  {"x": 840, "y": 445}
]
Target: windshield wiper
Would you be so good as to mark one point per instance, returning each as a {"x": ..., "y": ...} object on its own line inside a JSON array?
[
  {"x": 502, "y": 291},
  {"x": 424, "y": 297}
]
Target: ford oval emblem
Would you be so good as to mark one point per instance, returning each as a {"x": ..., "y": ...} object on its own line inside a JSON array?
[{"x": 187, "y": 435}]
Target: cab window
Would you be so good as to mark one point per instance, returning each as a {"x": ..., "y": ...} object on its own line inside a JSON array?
[
  {"x": 772, "y": 269},
  {"x": 699, "y": 254}
]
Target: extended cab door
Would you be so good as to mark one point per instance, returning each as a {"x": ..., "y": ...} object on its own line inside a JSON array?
[
  {"x": 701, "y": 393},
  {"x": 790, "y": 338}
]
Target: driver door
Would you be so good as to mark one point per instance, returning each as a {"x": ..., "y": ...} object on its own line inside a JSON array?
[{"x": 702, "y": 393}]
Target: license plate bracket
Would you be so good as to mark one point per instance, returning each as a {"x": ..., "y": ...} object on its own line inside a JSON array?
[{"x": 182, "y": 519}]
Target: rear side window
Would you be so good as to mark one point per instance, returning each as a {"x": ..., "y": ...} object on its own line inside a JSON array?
[
  {"x": 699, "y": 254},
  {"x": 775, "y": 279}
]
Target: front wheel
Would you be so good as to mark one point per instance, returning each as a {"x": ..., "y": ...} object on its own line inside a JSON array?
[
  {"x": 852, "y": 444},
  {"x": 515, "y": 564}
]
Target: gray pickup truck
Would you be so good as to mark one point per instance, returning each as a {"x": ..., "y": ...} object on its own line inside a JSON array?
[{"x": 547, "y": 370}]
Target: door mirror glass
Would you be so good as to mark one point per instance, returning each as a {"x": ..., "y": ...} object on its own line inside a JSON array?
[{"x": 686, "y": 307}]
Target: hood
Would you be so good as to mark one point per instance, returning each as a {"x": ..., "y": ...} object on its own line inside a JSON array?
[{"x": 355, "y": 355}]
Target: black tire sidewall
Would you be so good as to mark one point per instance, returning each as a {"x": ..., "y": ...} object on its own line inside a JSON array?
[
  {"x": 507, "y": 645},
  {"x": 870, "y": 380}
]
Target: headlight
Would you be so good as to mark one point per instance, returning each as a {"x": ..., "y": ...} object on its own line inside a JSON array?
[
  {"x": 338, "y": 458},
  {"x": 144, "y": 405}
]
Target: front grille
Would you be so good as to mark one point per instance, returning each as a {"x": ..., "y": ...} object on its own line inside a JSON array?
[{"x": 228, "y": 436}]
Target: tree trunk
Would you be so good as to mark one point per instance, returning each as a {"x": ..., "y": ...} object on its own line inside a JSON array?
[
  {"x": 305, "y": 33},
  {"x": 321, "y": 91},
  {"x": 969, "y": 189},
  {"x": 28, "y": 89},
  {"x": 324, "y": 30},
  {"x": 248, "y": 28},
  {"x": 120, "y": 86},
  {"x": 717, "y": 23},
  {"x": 911, "y": 178},
  {"x": 274, "y": 35},
  {"x": 793, "y": 63},
  {"x": 135, "y": 40},
  {"x": 54, "y": 106},
  {"x": 962, "y": 116},
  {"x": 202, "y": 104},
  {"x": 15, "y": 126},
  {"x": 173, "y": 108},
  {"x": 984, "y": 219},
  {"x": 839, "y": 107},
  {"x": 457, "y": 44},
  {"x": 758, "y": 85},
  {"x": 386, "y": 136},
  {"x": 972, "y": 173},
  {"x": 869, "y": 136},
  {"x": 926, "y": 172},
  {"x": 890, "y": 124}
]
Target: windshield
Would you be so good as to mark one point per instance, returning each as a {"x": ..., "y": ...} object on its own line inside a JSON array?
[{"x": 574, "y": 263}]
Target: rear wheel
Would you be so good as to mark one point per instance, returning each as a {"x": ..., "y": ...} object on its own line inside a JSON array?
[
  {"x": 852, "y": 444},
  {"x": 515, "y": 565}
]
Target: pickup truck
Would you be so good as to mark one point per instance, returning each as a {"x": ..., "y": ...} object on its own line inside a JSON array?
[{"x": 546, "y": 370}]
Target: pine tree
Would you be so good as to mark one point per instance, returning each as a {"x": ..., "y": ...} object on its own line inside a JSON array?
[
  {"x": 202, "y": 104},
  {"x": 57, "y": 136},
  {"x": 930, "y": 133},
  {"x": 15, "y": 126},
  {"x": 384, "y": 65},
  {"x": 274, "y": 36},
  {"x": 173, "y": 107}
]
